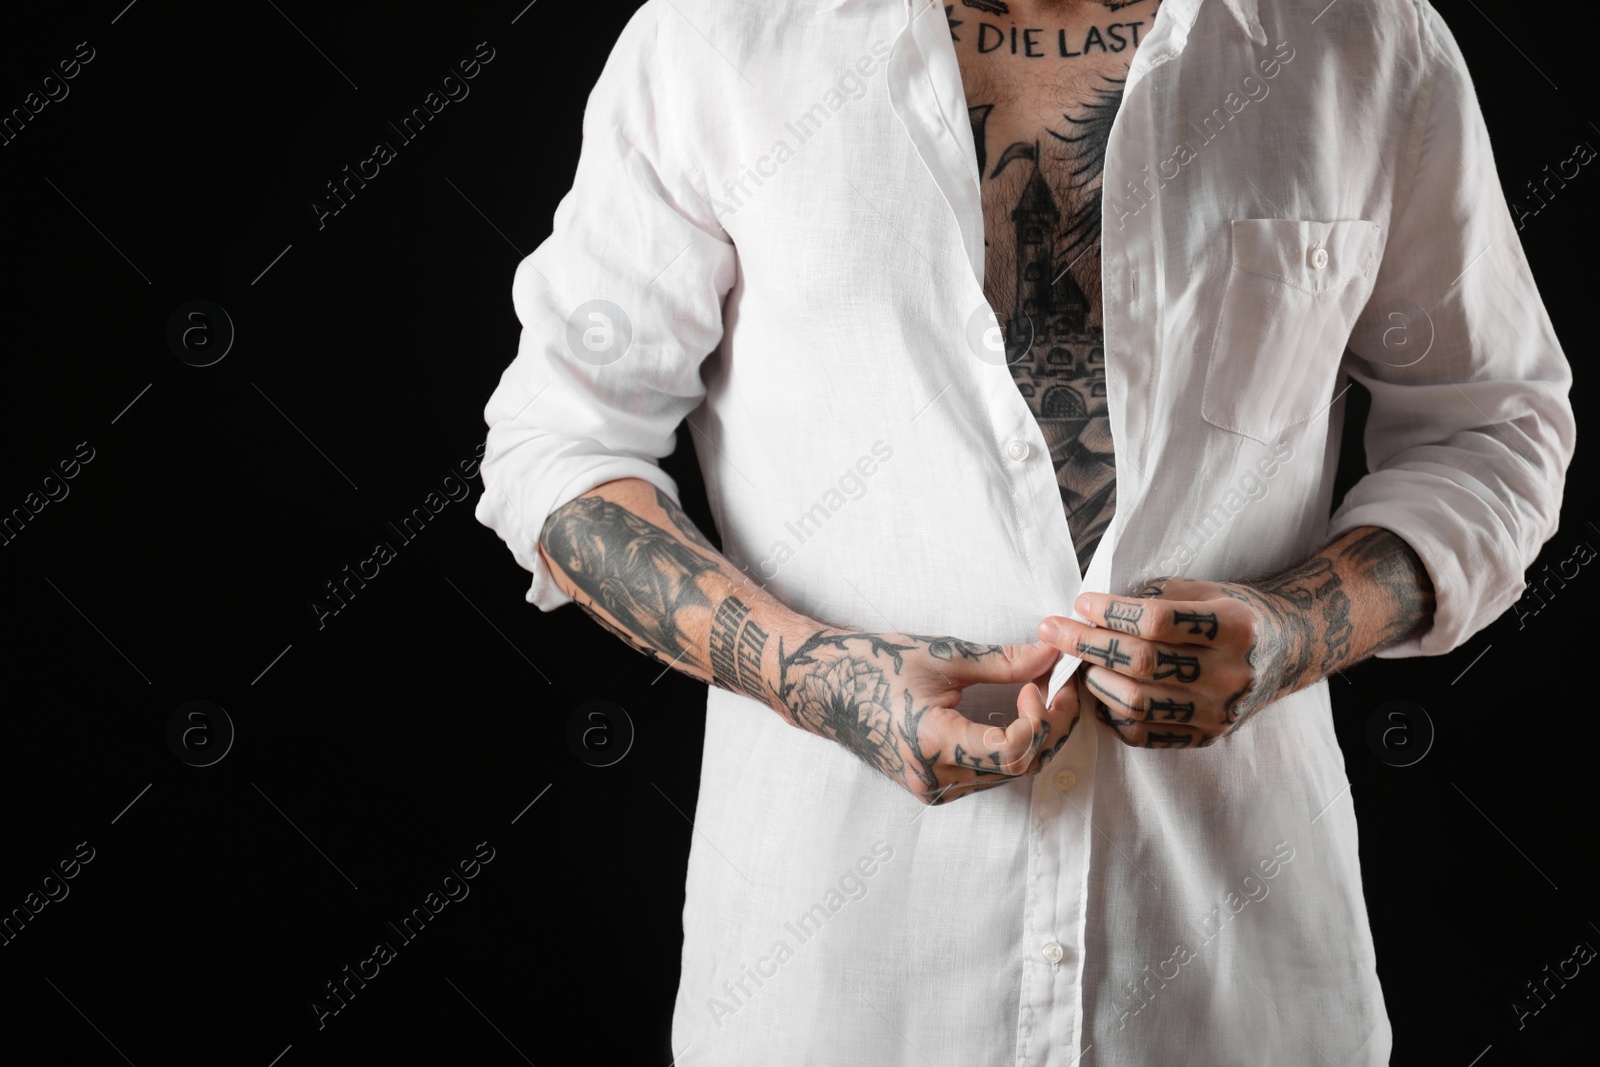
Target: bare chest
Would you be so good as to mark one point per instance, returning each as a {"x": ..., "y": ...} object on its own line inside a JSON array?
[{"x": 1043, "y": 86}]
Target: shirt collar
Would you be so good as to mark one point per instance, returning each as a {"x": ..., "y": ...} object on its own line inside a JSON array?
[{"x": 1243, "y": 11}]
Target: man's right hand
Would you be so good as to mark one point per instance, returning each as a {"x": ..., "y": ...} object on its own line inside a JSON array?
[
  {"x": 891, "y": 699},
  {"x": 627, "y": 554}
]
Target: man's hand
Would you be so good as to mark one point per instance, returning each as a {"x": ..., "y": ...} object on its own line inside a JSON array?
[
  {"x": 891, "y": 698},
  {"x": 1184, "y": 662}
]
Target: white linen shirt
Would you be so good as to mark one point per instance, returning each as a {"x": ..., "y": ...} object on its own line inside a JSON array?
[{"x": 780, "y": 203}]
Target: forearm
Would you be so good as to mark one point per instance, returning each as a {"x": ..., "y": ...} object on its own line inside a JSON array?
[
  {"x": 1359, "y": 595},
  {"x": 630, "y": 557}
]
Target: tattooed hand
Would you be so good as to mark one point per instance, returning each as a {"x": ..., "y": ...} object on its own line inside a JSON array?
[
  {"x": 891, "y": 698},
  {"x": 1184, "y": 662}
]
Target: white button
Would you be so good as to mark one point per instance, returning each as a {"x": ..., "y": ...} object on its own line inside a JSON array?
[
  {"x": 1066, "y": 780},
  {"x": 1319, "y": 258},
  {"x": 1053, "y": 952},
  {"x": 1018, "y": 450}
]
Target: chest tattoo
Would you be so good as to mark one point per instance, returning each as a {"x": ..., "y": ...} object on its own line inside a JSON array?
[{"x": 1040, "y": 131}]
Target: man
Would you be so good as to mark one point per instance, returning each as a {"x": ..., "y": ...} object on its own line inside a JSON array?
[{"x": 959, "y": 299}]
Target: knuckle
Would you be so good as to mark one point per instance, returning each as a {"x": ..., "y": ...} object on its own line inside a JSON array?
[{"x": 1247, "y": 625}]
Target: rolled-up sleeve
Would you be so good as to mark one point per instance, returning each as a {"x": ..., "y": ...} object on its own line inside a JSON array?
[
  {"x": 619, "y": 306},
  {"x": 1470, "y": 430}
]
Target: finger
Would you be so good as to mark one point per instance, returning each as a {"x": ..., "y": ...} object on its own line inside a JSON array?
[
  {"x": 990, "y": 750},
  {"x": 1177, "y": 622},
  {"x": 1060, "y": 717},
  {"x": 1138, "y": 731},
  {"x": 972, "y": 664},
  {"x": 1134, "y": 657},
  {"x": 1142, "y": 703},
  {"x": 1063, "y": 716}
]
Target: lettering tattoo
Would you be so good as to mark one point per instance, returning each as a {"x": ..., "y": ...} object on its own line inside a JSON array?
[
  {"x": 1198, "y": 622},
  {"x": 736, "y": 647},
  {"x": 1038, "y": 42},
  {"x": 1123, "y": 616},
  {"x": 991, "y": 7},
  {"x": 1171, "y": 710},
  {"x": 1173, "y": 664},
  {"x": 1156, "y": 711}
]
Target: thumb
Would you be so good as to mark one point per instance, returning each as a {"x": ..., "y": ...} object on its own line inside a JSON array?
[{"x": 1009, "y": 663}]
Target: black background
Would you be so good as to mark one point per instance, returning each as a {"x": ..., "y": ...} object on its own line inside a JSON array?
[{"x": 429, "y": 713}]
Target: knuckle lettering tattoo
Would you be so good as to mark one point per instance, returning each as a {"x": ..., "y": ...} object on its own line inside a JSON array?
[
  {"x": 1170, "y": 664},
  {"x": 1198, "y": 622},
  {"x": 1121, "y": 615}
]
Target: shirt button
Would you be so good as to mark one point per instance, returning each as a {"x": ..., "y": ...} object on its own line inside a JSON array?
[
  {"x": 1018, "y": 450},
  {"x": 1066, "y": 780},
  {"x": 1053, "y": 952},
  {"x": 1319, "y": 258}
]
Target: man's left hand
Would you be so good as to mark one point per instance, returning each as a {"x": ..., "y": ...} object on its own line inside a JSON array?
[{"x": 1185, "y": 662}]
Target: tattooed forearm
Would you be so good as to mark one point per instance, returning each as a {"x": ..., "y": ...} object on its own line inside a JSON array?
[
  {"x": 659, "y": 585},
  {"x": 638, "y": 573},
  {"x": 837, "y": 685},
  {"x": 1390, "y": 566},
  {"x": 1286, "y": 650},
  {"x": 1363, "y": 593},
  {"x": 681, "y": 523}
]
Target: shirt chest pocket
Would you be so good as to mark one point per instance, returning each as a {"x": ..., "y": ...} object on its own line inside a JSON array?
[{"x": 1293, "y": 293}]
